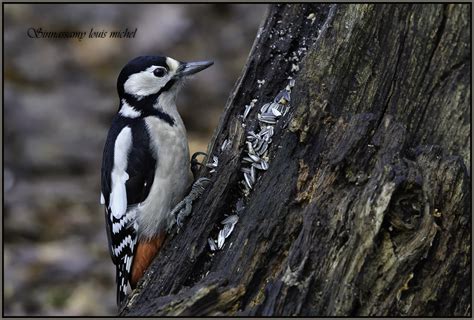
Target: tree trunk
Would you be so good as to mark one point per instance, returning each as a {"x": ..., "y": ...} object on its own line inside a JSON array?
[{"x": 365, "y": 207}]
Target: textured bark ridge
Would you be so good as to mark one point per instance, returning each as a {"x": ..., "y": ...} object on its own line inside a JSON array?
[{"x": 365, "y": 208}]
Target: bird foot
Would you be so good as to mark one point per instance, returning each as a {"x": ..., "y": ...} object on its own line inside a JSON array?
[
  {"x": 184, "y": 208},
  {"x": 195, "y": 164}
]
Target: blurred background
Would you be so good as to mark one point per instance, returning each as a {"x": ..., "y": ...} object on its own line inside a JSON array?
[{"x": 59, "y": 99}]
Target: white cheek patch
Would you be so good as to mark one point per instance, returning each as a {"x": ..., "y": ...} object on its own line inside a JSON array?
[{"x": 145, "y": 83}]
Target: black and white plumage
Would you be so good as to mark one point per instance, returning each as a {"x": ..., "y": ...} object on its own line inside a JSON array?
[{"x": 145, "y": 167}]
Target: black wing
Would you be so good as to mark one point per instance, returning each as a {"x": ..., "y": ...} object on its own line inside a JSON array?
[{"x": 121, "y": 233}]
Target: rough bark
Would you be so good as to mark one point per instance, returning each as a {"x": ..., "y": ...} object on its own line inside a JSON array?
[{"x": 366, "y": 206}]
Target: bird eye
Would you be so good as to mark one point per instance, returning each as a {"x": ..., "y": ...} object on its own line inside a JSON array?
[{"x": 159, "y": 72}]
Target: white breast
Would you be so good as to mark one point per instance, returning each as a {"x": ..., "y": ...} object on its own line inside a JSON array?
[{"x": 172, "y": 176}]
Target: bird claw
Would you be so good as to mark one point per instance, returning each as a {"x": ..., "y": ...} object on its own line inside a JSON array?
[
  {"x": 183, "y": 214},
  {"x": 183, "y": 209}
]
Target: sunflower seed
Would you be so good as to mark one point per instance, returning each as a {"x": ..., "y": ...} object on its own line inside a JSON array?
[
  {"x": 227, "y": 230},
  {"x": 258, "y": 144},
  {"x": 226, "y": 144},
  {"x": 267, "y": 116},
  {"x": 246, "y": 112},
  {"x": 220, "y": 239},
  {"x": 268, "y": 121},
  {"x": 270, "y": 131},
  {"x": 250, "y": 149},
  {"x": 247, "y": 180},
  {"x": 267, "y": 132},
  {"x": 230, "y": 219},
  {"x": 267, "y": 136},
  {"x": 262, "y": 150},
  {"x": 252, "y": 135},
  {"x": 262, "y": 132},
  {"x": 212, "y": 244},
  {"x": 279, "y": 96},
  {"x": 215, "y": 162},
  {"x": 253, "y": 174},
  {"x": 245, "y": 170},
  {"x": 247, "y": 159},
  {"x": 275, "y": 112},
  {"x": 258, "y": 166},
  {"x": 265, "y": 108},
  {"x": 255, "y": 143},
  {"x": 275, "y": 105},
  {"x": 283, "y": 97},
  {"x": 254, "y": 158}
]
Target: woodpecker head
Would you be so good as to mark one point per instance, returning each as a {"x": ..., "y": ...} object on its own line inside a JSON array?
[{"x": 146, "y": 78}]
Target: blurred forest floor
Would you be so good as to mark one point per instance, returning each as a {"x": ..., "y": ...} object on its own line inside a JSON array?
[{"x": 60, "y": 96}]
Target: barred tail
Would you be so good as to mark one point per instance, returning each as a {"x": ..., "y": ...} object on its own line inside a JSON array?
[{"x": 121, "y": 284}]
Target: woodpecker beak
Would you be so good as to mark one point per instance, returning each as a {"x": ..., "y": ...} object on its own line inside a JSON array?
[{"x": 188, "y": 68}]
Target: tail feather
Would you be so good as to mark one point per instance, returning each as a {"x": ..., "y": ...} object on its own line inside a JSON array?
[
  {"x": 133, "y": 264},
  {"x": 121, "y": 285},
  {"x": 123, "y": 271}
]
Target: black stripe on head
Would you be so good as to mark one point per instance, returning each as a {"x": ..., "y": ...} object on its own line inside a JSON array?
[
  {"x": 145, "y": 105},
  {"x": 144, "y": 62}
]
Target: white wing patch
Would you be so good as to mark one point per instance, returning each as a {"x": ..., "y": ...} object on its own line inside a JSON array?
[
  {"x": 102, "y": 199},
  {"x": 118, "y": 196}
]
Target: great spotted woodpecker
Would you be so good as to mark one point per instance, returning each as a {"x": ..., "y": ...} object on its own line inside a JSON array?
[{"x": 145, "y": 167}]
